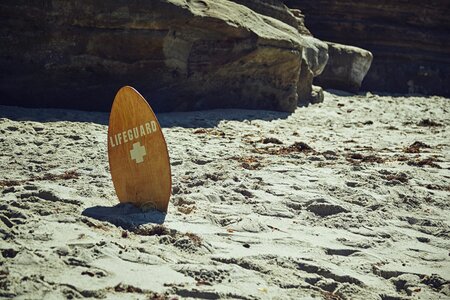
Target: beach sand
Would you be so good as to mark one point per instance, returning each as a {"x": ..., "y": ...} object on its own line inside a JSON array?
[{"x": 347, "y": 199}]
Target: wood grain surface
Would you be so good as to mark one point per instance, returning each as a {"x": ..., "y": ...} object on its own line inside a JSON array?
[{"x": 137, "y": 151}]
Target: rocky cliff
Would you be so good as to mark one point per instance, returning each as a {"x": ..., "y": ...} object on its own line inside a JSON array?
[
  {"x": 410, "y": 40},
  {"x": 181, "y": 55}
]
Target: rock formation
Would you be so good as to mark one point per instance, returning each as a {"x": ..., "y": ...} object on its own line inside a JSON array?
[
  {"x": 277, "y": 10},
  {"x": 410, "y": 40},
  {"x": 346, "y": 68},
  {"x": 181, "y": 55}
]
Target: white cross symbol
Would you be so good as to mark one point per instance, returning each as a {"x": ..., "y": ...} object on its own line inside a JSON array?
[{"x": 138, "y": 152}]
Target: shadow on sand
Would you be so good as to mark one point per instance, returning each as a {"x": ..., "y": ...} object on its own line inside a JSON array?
[
  {"x": 193, "y": 119},
  {"x": 125, "y": 215}
]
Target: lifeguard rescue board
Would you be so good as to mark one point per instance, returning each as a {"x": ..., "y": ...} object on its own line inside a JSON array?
[{"x": 137, "y": 152}]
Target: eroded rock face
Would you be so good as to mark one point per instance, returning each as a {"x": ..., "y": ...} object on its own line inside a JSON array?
[
  {"x": 346, "y": 68},
  {"x": 181, "y": 55},
  {"x": 278, "y": 10},
  {"x": 409, "y": 40}
]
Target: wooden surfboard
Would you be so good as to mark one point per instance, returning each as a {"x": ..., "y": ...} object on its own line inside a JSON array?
[{"x": 137, "y": 152}]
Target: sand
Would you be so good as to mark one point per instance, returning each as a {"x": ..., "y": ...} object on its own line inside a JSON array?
[{"x": 334, "y": 201}]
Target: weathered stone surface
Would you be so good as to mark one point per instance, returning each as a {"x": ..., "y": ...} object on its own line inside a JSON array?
[
  {"x": 317, "y": 95},
  {"x": 278, "y": 10},
  {"x": 410, "y": 40},
  {"x": 346, "y": 68},
  {"x": 315, "y": 55},
  {"x": 181, "y": 55}
]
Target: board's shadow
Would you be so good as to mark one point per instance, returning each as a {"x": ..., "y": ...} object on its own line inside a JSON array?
[{"x": 125, "y": 215}]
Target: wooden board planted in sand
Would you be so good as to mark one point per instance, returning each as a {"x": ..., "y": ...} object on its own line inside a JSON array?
[{"x": 137, "y": 151}]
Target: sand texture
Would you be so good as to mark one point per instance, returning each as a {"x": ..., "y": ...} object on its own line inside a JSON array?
[{"x": 347, "y": 199}]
